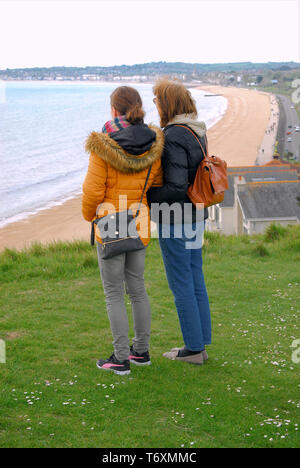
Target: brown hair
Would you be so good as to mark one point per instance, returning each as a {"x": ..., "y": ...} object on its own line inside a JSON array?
[
  {"x": 128, "y": 102},
  {"x": 173, "y": 98}
]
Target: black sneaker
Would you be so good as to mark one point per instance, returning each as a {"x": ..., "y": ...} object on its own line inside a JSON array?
[
  {"x": 140, "y": 359},
  {"x": 112, "y": 364}
]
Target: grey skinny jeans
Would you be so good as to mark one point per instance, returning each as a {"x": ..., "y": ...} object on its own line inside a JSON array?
[{"x": 128, "y": 269}]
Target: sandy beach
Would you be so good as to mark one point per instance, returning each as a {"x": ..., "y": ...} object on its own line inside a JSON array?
[{"x": 236, "y": 138}]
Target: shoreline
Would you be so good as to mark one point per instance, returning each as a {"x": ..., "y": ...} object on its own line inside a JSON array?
[
  {"x": 76, "y": 192},
  {"x": 235, "y": 137}
]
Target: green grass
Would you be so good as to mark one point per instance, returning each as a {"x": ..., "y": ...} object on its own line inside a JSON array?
[{"x": 54, "y": 324}]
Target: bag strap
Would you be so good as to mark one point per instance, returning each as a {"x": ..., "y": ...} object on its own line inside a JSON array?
[
  {"x": 137, "y": 213},
  {"x": 93, "y": 232},
  {"x": 146, "y": 182},
  {"x": 205, "y": 154}
]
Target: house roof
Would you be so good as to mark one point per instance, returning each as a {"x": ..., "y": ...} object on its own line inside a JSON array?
[
  {"x": 282, "y": 164},
  {"x": 258, "y": 168},
  {"x": 270, "y": 199},
  {"x": 256, "y": 176},
  {"x": 277, "y": 162},
  {"x": 270, "y": 176}
]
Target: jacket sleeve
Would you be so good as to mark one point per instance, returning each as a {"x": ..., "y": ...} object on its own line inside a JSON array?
[
  {"x": 94, "y": 187},
  {"x": 158, "y": 179},
  {"x": 175, "y": 173}
]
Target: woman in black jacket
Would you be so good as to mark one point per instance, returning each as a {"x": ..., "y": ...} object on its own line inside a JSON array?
[{"x": 180, "y": 224}]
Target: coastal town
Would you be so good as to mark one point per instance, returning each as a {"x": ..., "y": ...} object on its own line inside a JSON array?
[
  {"x": 263, "y": 172},
  {"x": 237, "y": 74},
  {"x": 268, "y": 191}
]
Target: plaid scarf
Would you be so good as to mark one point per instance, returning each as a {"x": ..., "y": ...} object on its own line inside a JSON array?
[{"x": 115, "y": 125}]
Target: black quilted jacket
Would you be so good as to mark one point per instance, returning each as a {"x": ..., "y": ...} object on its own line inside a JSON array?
[{"x": 181, "y": 157}]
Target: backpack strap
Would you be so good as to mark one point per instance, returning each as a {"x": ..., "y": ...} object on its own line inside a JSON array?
[{"x": 193, "y": 133}]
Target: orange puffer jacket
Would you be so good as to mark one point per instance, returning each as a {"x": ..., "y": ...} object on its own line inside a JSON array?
[{"x": 115, "y": 179}]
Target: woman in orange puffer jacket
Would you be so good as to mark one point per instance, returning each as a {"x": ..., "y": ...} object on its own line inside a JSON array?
[{"x": 120, "y": 157}]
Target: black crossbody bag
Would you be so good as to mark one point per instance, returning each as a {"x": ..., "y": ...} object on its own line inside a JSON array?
[{"x": 118, "y": 231}]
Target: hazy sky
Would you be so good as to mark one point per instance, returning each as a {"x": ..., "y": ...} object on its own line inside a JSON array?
[{"x": 101, "y": 32}]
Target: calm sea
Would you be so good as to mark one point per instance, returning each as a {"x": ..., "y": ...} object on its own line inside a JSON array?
[{"x": 43, "y": 127}]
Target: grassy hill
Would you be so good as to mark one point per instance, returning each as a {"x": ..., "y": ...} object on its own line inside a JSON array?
[{"x": 54, "y": 323}]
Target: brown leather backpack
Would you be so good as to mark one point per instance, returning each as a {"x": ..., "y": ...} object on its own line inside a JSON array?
[{"x": 211, "y": 179}]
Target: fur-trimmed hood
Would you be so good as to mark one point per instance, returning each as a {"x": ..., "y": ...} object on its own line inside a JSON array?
[{"x": 111, "y": 152}]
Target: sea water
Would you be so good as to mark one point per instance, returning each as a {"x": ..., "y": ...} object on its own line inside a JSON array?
[{"x": 43, "y": 128}]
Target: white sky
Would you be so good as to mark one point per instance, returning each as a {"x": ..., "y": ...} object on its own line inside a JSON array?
[{"x": 115, "y": 32}]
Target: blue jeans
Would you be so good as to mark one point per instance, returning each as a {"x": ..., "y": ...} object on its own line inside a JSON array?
[{"x": 186, "y": 280}]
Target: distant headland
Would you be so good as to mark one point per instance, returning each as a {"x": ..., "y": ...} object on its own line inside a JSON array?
[{"x": 219, "y": 73}]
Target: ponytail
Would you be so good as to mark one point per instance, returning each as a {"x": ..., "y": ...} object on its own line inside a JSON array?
[
  {"x": 135, "y": 115},
  {"x": 128, "y": 102}
]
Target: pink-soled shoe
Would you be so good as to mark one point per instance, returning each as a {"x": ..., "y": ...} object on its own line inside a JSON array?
[{"x": 112, "y": 364}]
